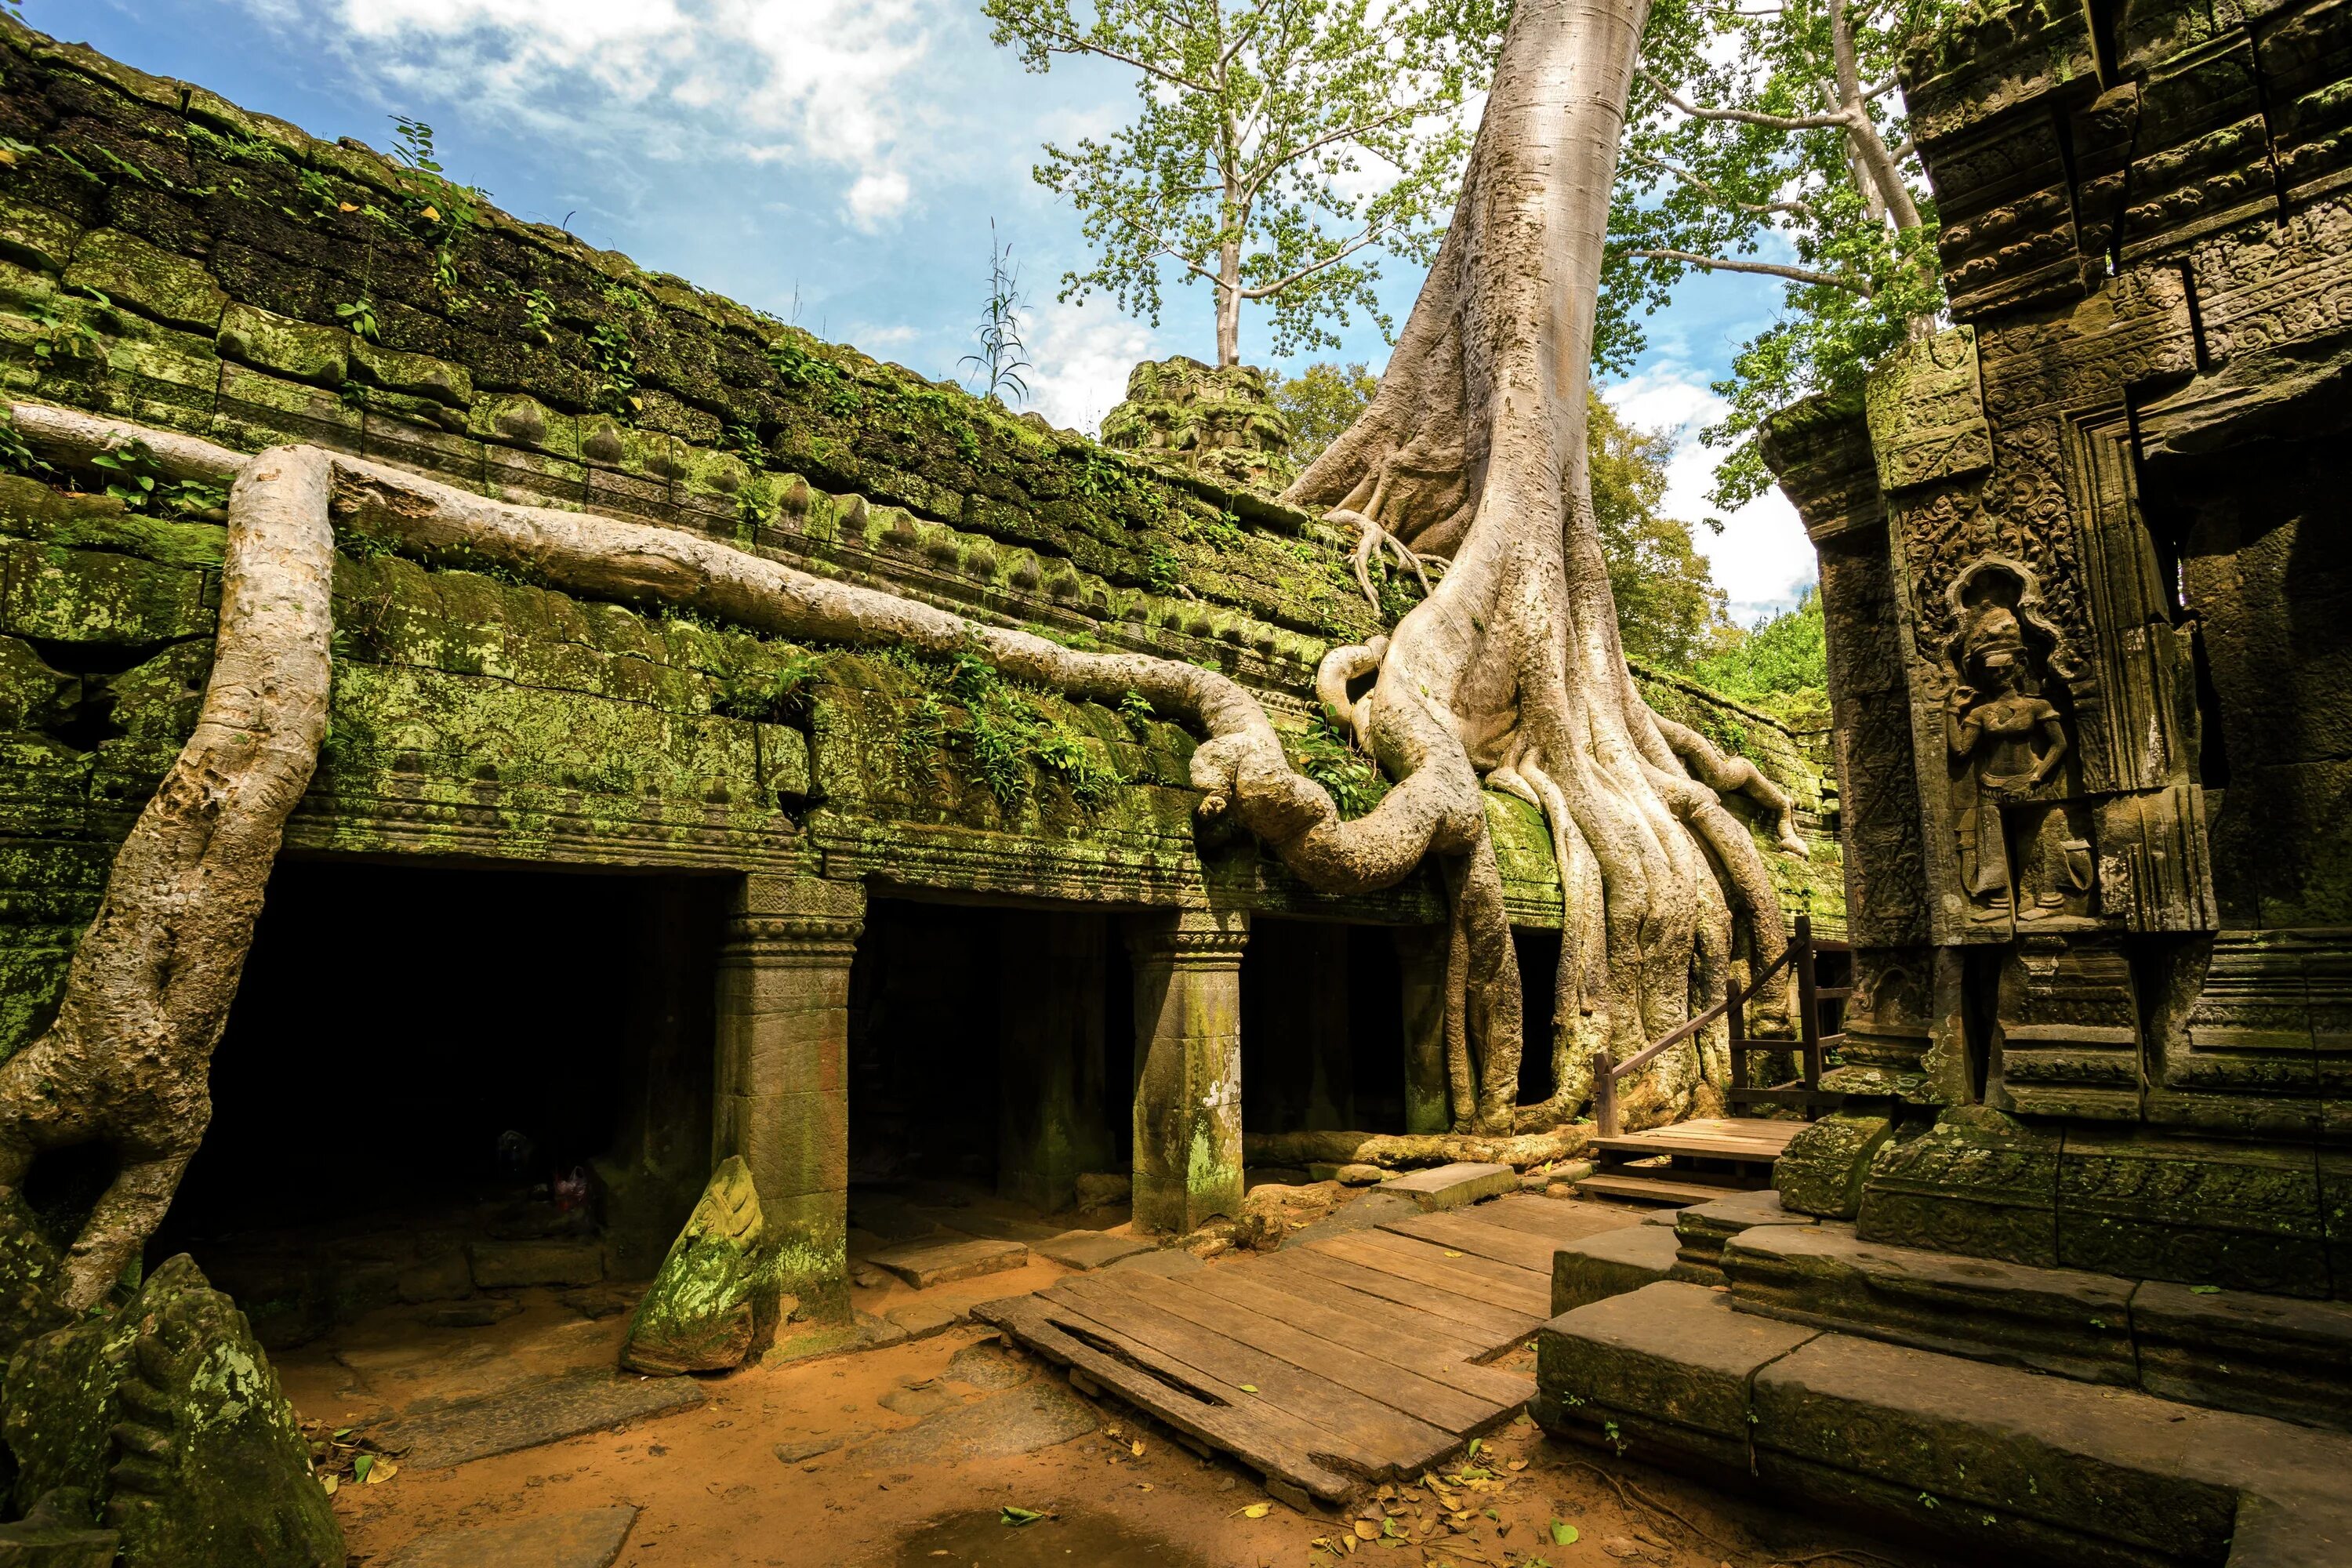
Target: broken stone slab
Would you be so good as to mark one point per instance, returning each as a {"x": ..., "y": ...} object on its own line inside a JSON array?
[
  {"x": 925, "y": 1398},
  {"x": 481, "y": 1313},
  {"x": 58, "y": 1533},
  {"x": 542, "y": 1411},
  {"x": 1347, "y": 1175},
  {"x": 2061, "y": 1321},
  {"x": 922, "y": 1320},
  {"x": 1168, "y": 1262},
  {"x": 924, "y": 1264},
  {"x": 1450, "y": 1186},
  {"x": 503, "y": 1265},
  {"x": 448, "y": 1278},
  {"x": 1595, "y": 1267},
  {"x": 989, "y": 1368},
  {"x": 703, "y": 1311},
  {"x": 30, "y": 1269},
  {"x": 795, "y": 1450},
  {"x": 168, "y": 1416},
  {"x": 1668, "y": 1364},
  {"x": 2021, "y": 1464},
  {"x": 1089, "y": 1249},
  {"x": 2235, "y": 1350},
  {"x": 588, "y": 1538},
  {"x": 1020, "y": 1421}
]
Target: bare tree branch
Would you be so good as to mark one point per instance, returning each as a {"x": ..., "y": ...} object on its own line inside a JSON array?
[
  {"x": 1763, "y": 268},
  {"x": 1713, "y": 192},
  {"x": 1071, "y": 44},
  {"x": 1750, "y": 116},
  {"x": 1370, "y": 236}
]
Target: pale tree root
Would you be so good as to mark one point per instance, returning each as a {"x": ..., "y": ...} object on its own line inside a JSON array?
[
  {"x": 127, "y": 1059},
  {"x": 1393, "y": 1152},
  {"x": 125, "y": 1063}
]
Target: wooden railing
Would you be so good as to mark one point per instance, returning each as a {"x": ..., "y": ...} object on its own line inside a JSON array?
[{"x": 1803, "y": 1092}]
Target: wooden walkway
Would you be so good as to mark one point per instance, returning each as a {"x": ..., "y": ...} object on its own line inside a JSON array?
[
  {"x": 1689, "y": 1161},
  {"x": 1331, "y": 1365}
]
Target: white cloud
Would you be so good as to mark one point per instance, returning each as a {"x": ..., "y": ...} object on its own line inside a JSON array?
[
  {"x": 1762, "y": 558},
  {"x": 836, "y": 83},
  {"x": 1082, "y": 354}
]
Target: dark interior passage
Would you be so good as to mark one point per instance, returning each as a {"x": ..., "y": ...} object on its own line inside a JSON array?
[
  {"x": 1322, "y": 1029},
  {"x": 1538, "y": 950},
  {"x": 410, "y": 1037},
  {"x": 993, "y": 1046}
]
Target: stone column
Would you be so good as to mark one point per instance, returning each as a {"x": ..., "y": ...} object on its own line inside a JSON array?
[
  {"x": 1421, "y": 974},
  {"x": 1188, "y": 1065},
  {"x": 782, "y": 1096},
  {"x": 1052, "y": 1116}
]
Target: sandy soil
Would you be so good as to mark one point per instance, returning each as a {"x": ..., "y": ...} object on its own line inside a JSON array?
[{"x": 714, "y": 1494}]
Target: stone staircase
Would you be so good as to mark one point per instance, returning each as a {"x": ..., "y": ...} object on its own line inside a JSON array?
[{"x": 2043, "y": 1415}]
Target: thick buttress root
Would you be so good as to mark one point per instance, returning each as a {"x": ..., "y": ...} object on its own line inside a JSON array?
[
  {"x": 127, "y": 1059},
  {"x": 1474, "y": 452}
]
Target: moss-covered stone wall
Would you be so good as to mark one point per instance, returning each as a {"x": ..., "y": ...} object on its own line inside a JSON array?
[{"x": 169, "y": 258}]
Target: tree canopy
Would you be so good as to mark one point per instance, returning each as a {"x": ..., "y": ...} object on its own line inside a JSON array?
[
  {"x": 1320, "y": 402},
  {"x": 1779, "y": 665},
  {"x": 1277, "y": 147},
  {"x": 1767, "y": 139}
]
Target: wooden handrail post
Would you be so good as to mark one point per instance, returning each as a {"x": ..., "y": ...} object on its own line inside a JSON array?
[
  {"x": 1604, "y": 1092},
  {"x": 1809, "y": 1010}
]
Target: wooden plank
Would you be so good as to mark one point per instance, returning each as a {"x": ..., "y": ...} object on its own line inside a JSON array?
[
  {"x": 1393, "y": 1335},
  {"x": 1494, "y": 1326},
  {"x": 1381, "y": 1440},
  {"x": 1652, "y": 1189},
  {"x": 1278, "y": 1448},
  {"x": 1521, "y": 1290},
  {"x": 1443, "y": 1340},
  {"x": 1409, "y": 1392},
  {"x": 1557, "y": 1219},
  {"x": 1452, "y": 1233}
]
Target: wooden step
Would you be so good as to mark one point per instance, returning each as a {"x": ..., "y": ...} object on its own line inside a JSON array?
[
  {"x": 1756, "y": 1142},
  {"x": 1650, "y": 1189}
]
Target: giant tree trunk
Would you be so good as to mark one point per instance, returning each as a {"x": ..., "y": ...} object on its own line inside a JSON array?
[
  {"x": 1474, "y": 451},
  {"x": 1508, "y": 675}
]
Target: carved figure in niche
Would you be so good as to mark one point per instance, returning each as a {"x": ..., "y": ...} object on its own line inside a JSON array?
[{"x": 2008, "y": 742}]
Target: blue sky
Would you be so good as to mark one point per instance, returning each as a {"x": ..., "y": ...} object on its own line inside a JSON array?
[{"x": 836, "y": 161}]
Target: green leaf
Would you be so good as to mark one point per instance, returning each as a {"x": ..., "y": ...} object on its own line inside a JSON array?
[
  {"x": 1562, "y": 1533},
  {"x": 2204, "y": 1290},
  {"x": 1017, "y": 1516}
]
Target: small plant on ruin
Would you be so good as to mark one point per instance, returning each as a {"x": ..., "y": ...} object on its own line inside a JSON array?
[
  {"x": 137, "y": 480},
  {"x": 444, "y": 209},
  {"x": 360, "y": 317},
  {"x": 999, "y": 362},
  {"x": 773, "y": 695},
  {"x": 17, "y": 457},
  {"x": 1136, "y": 708},
  {"x": 616, "y": 370},
  {"x": 538, "y": 318}
]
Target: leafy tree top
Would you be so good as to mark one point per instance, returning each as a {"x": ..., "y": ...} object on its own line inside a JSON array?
[
  {"x": 1279, "y": 147},
  {"x": 1768, "y": 139}
]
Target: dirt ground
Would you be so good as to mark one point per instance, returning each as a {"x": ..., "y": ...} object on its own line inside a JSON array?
[{"x": 715, "y": 1493}]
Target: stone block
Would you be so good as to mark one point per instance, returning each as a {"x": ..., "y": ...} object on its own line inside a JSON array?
[
  {"x": 586, "y": 1538},
  {"x": 1669, "y": 1364},
  {"x": 169, "y": 288},
  {"x": 1820, "y": 1172},
  {"x": 2235, "y": 1214},
  {"x": 1595, "y": 1267},
  {"x": 544, "y": 1410},
  {"x": 713, "y": 1295},
  {"x": 1105, "y": 1189},
  {"x": 46, "y": 1540},
  {"x": 1703, "y": 1229},
  {"x": 501, "y": 1265},
  {"x": 924, "y": 1264},
  {"x": 1450, "y": 1186},
  {"x": 922, "y": 1320},
  {"x": 317, "y": 356},
  {"x": 1089, "y": 1249},
  {"x": 2235, "y": 1350},
  {"x": 2068, "y": 1470},
  {"x": 2060, "y": 1321},
  {"x": 1977, "y": 1182}
]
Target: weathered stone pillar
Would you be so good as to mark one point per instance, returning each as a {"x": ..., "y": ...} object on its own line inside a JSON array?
[
  {"x": 1188, "y": 1065},
  {"x": 1420, "y": 976},
  {"x": 1052, "y": 1120},
  {"x": 782, "y": 1082}
]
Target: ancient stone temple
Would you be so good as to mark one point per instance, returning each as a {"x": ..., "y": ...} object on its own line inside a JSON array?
[
  {"x": 596, "y": 895},
  {"x": 2081, "y": 565}
]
